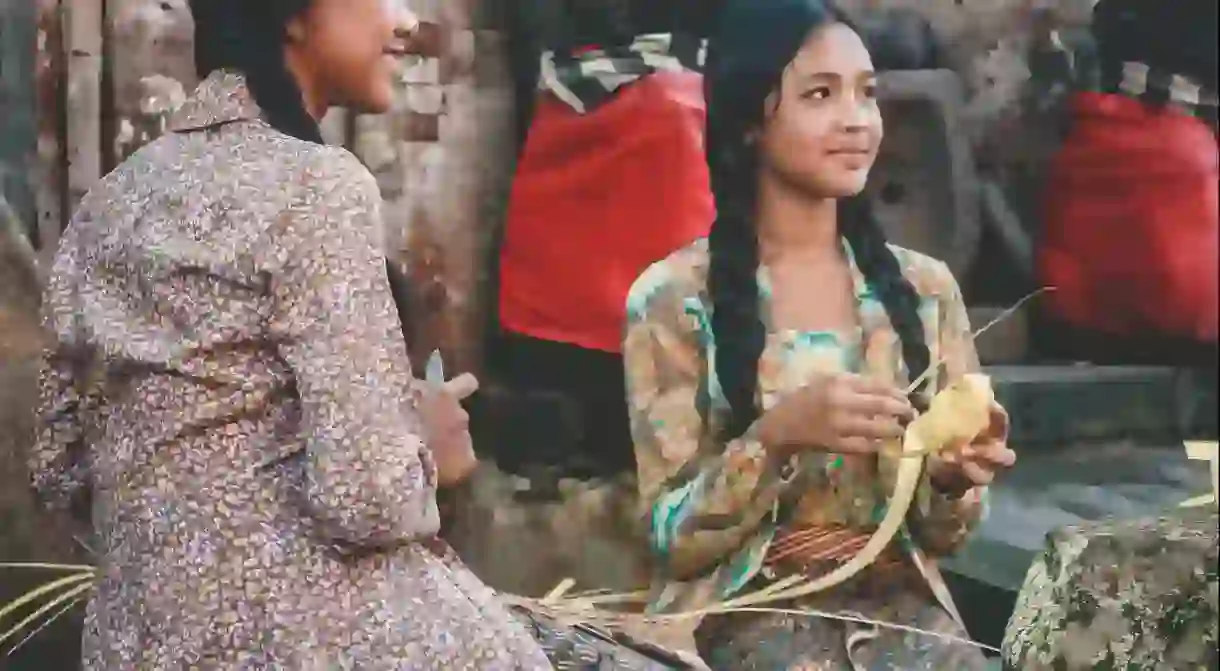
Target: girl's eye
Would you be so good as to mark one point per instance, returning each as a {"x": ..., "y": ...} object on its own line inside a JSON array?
[
  {"x": 870, "y": 90},
  {"x": 818, "y": 93}
]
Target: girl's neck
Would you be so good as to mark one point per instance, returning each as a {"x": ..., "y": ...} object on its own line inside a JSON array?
[
  {"x": 311, "y": 95},
  {"x": 791, "y": 225}
]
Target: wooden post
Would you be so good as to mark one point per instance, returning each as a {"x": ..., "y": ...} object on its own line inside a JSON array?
[
  {"x": 477, "y": 135},
  {"x": 108, "y": 113},
  {"x": 84, "y": 28},
  {"x": 49, "y": 177}
]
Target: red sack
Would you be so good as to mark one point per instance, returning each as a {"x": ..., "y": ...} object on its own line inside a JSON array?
[
  {"x": 597, "y": 198},
  {"x": 1131, "y": 222}
]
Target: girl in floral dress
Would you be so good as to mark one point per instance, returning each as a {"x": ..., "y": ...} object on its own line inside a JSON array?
[{"x": 767, "y": 363}]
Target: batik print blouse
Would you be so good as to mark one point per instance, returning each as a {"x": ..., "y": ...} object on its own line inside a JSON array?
[
  {"x": 712, "y": 507},
  {"x": 229, "y": 388}
]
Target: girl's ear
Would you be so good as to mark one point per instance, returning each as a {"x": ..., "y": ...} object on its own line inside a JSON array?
[{"x": 294, "y": 30}]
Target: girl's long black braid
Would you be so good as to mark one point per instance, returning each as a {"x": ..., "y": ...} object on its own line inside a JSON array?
[
  {"x": 860, "y": 227},
  {"x": 248, "y": 36},
  {"x": 756, "y": 42}
]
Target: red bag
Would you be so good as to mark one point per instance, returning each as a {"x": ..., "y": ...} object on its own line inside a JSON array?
[
  {"x": 597, "y": 198},
  {"x": 1131, "y": 222}
]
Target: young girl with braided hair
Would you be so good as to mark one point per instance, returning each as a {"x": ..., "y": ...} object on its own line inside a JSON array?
[{"x": 768, "y": 363}]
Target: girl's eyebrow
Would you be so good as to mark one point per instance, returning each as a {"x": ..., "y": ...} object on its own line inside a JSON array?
[{"x": 864, "y": 75}]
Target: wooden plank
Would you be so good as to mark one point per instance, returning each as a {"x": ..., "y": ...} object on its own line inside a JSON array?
[
  {"x": 50, "y": 173},
  {"x": 83, "y": 21}
]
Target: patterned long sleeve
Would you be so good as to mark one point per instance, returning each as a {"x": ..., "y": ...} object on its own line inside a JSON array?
[
  {"x": 369, "y": 478},
  {"x": 705, "y": 500},
  {"x": 940, "y": 523},
  {"x": 59, "y": 463}
]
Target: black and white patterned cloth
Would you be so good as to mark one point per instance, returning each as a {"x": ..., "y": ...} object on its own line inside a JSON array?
[
  {"x": 587, "y": 79},
  {"x": 1160, "y": 87},
  {"x": 576, "y": 648}
]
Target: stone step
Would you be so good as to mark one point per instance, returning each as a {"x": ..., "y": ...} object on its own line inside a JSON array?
[
  {"x": 1078, "y": 483},
  {"x": 1093, "y": 442},
  {"x": 1056, "y": 405},
  {"x": 1007, "y": 342}
]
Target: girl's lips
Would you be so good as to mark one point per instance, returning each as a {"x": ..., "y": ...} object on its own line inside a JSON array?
[{"x": 854, "y": 160}]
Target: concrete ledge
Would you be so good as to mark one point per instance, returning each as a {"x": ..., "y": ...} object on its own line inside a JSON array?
[
  {"x": 1056, "y": 405},
  {"x": 1082, "y": 484}
]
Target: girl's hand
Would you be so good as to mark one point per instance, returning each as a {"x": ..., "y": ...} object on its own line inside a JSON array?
[
  {"x": 956, "y": 470},
  {"x": 447, "y": 428},
  {"x": 841, "y": 413}
]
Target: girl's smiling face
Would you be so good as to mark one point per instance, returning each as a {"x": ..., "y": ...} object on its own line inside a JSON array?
[
  {"x": 343, "y": 51},
  {"x": 822, "y": 126}
]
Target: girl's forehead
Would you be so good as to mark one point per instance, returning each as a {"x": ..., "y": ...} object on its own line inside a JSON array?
[{"x": 833, "y": 49}]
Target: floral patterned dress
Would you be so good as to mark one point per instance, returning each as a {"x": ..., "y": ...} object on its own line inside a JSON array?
[
  {"x": 722, "y": 518},
  {"x": 230, "y": 399}
]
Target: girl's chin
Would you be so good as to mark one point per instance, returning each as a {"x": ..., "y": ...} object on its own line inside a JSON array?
[
  {"x": 846, "y": 184},
  {"x": 376, "y": 100}
]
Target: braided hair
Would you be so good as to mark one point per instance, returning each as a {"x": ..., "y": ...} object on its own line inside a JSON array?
[
  {"x": 755, "y": 42},
  {"x": 248, "y": 36}
]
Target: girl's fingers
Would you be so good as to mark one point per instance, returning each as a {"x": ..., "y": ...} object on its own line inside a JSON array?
[
  {"x": 462, "y": 386},
  {"x": 976, "y": 473},
  {"x": 998, "y": 427},
  {"x": 872, "y": 404},
  {"x": 867, "y": 386},
  {"x": 856, "y": 445},
  {"x": 870, "y": 428},
  {"x": 996, "y": 455}
]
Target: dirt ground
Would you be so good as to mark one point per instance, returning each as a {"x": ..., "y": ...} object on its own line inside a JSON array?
[
  {"x": 27, "y": 533},
  {"x": 24, "y": 533}
]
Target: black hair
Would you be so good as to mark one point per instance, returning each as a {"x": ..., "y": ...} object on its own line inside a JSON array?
[
  {"x": 695, "y": 18},
  {"x": 1177, "y": 36},
  {"x": 755, "y": 42},
  {"x": 248, "y": 36},
  {"x": 605, "y": 23}
]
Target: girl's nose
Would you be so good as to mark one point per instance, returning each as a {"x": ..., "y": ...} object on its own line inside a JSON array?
[{"x": 405, "y": 21}]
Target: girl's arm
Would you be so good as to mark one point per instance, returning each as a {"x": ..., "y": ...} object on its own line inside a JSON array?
[
  {"x": 939, "y": 522},
  {"x": 369, "y": 479},
  {"x": 704, "y": 498},
  {"x": 59, "y": 461}
]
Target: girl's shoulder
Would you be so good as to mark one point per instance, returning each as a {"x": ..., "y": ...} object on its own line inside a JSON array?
[
  {"x": 930, "y": 276},
  {"x": 676, "y": 284}
]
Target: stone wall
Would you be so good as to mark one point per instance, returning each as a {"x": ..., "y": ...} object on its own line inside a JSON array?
[
  {"x": 104, "y": 81},
  {"x": 443, "y": 156}
]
